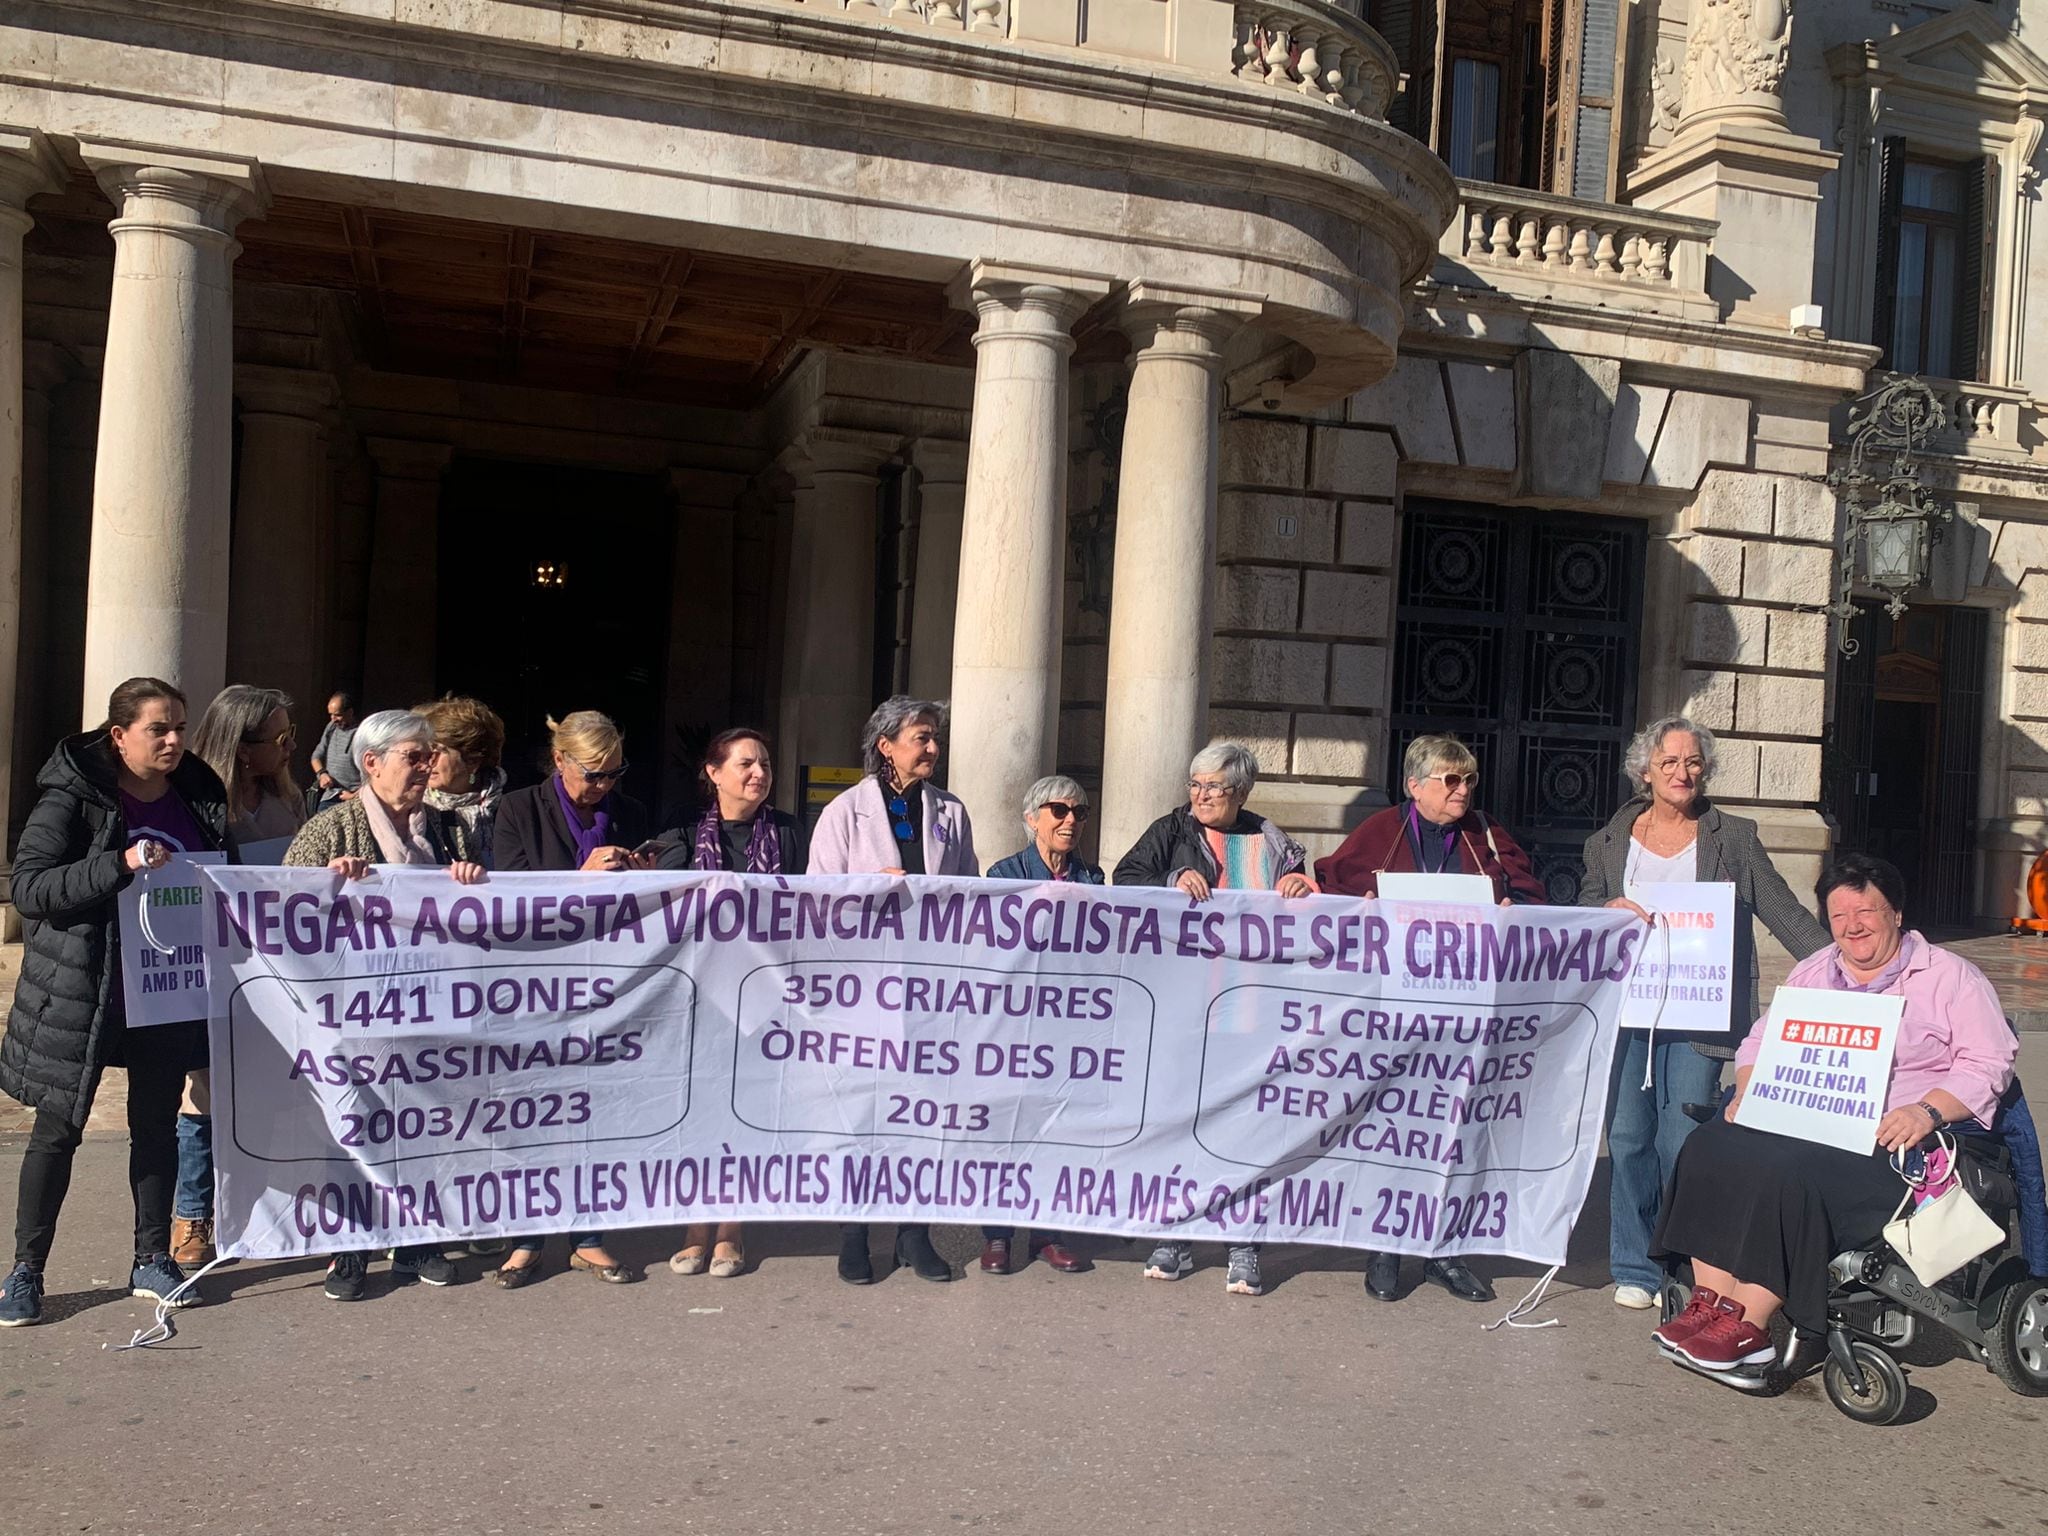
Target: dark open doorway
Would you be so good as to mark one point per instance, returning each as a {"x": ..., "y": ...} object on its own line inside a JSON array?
[
  {"x": 1904, "y": 753},
  {"x": 555, "y": 591}
]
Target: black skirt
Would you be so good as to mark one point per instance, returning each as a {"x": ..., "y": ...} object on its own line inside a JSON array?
[{"x": 1774, "y": 1210}]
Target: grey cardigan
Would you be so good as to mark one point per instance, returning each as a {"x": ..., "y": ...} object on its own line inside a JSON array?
[{"x": 1728, "y": 850}]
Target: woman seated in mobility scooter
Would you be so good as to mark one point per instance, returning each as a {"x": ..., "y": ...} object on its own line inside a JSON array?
[{"x": 1761, "y": 1215}]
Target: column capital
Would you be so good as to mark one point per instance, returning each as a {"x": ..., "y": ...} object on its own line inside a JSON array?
[
  {"x": 28, "y": 167},
  {"x": 941, "y": 461},
  {"x": 1193, "y": 323},
  {"x": 400, "y": 458},
  {"x": 844, "y": 451},
  {"x": 176, "y": 189},
  {"x": 268, "y": 391},
  {"x": 1019, "y": 300}
]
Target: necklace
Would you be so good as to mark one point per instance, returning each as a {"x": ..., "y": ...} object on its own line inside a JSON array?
[{"x": 1666, "y": 840}]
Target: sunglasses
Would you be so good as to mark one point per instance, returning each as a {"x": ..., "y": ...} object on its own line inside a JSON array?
[
  {"x": 283, "y": 738},
  {"x": 1456, "y": 781},
  {"x": 899, "y": 819},
  {"x": 1061, "y": 810},
  {"x": 602, "y": 775}
]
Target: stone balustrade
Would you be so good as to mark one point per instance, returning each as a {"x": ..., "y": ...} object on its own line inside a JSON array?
[
  {"x": 1982, "y": 418},
  {"x": 1317, "y": 49},
  {"x": 1510, "y": 236}
]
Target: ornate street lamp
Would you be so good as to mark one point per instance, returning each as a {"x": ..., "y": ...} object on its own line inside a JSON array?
[{"x": 1890, "y": 510}]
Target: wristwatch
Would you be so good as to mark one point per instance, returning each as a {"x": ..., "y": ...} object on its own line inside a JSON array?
[{"x": 1933, "y": 1114}]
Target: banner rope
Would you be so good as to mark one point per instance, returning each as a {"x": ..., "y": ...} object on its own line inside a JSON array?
[
  {"x": 163, "y": 1328},
  {"x": 1512, "y": 1318}
]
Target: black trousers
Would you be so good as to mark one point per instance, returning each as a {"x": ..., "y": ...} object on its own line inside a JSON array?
[{"x": 158, "y": 1059}]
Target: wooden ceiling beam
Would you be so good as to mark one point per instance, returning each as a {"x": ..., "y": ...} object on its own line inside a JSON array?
[
  {"x": 668, "y": 292},
  {"x": 518, "y": 282}
]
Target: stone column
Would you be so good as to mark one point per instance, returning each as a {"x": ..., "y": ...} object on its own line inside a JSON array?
[
  {"x": 27, "y": 167},
  {"x": 1013, "y": 546},
  {"x": 276, "y": 580},
  {"x": 399, "y": 631},
  {"x": 157, "y": 591},
  {"x": 828, "y": 664},
  {"x": 1155, "y": 709},
  {"x": 941, "y": 502}
]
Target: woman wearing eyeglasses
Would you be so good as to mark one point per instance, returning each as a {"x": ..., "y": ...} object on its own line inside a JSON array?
[
  {"x": 895, "y": 821},
  {"x": 1055, "y": 810},
  {"x": 578, "y": 820},
  {"x": 1436, "y": 831}
]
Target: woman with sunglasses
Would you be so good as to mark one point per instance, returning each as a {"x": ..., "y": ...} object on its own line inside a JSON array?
[
  {"x": 578, "y": 820},
  {"x": 895, "y": 821},
  {"x": 1436, "y": 831},
  {"x": 1055, "y": 810}
]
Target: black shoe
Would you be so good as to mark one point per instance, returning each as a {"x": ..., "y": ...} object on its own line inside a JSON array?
[
  {"x": 345, "y": 1274},
  {"x": 1383, "y": 1276},
  {"x": 914, "y": 1247},
  {"x": 855, "y": 1267},
  {"x": 424, "y": 1264},
  {"x": 1454, "y": 1277}
]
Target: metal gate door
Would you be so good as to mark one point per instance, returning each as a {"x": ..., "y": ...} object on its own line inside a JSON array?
[{"x": 1520, "y": 632}]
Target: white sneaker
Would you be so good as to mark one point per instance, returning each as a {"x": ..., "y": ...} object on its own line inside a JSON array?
[{"x": 1634, "y": 1297}]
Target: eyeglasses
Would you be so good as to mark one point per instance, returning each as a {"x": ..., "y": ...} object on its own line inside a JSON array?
[
  {"x": 1203, "y": 791},
  {"x": 899, "y": 819},
  {"x": 415, "y": 757},
  {"x": 1453, "y": 782},
  {"x": 283, "y": 738},
  {"x": 1692, "y": 765},
  {"x": 601, "y": 775},
  {"x": 1061, "y": 810}
]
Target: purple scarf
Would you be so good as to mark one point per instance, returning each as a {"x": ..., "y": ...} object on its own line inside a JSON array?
[
  {"x": 588, "y": 839},
  {"x": 764, "y": 844},
  {"x": 1842, "y": 981}
]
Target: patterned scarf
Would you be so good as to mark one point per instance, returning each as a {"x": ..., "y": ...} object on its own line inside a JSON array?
[{"x": 764, "y": 844}]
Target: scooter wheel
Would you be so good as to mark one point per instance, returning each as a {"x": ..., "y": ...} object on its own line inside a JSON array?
[
  {"x": 1883, "y": 1397},
  {"x": 1673, "y": 1299},
  {"x": 2018, "y": 1347}
]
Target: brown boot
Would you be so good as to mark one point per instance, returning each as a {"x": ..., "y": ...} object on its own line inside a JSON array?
[{"x": 191, "y": 1242}]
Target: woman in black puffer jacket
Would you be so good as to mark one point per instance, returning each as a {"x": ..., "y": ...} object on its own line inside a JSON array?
[{"x": 115, "y": 802}]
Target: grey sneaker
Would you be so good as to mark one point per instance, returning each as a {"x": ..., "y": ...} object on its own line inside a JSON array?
[
  {"x": 157, "y": 1279},
  {"x": 21, "y": 1297},
  {"x": 424, "y": 1264},
  {"x": 1170, "y": 1261},
  {"x": 1243, "y": 1277}
]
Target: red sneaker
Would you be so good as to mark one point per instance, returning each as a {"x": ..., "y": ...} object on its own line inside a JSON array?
[
  {"x": 1727, "y": 1343},
  {"x": 1704, "y": 1304}
]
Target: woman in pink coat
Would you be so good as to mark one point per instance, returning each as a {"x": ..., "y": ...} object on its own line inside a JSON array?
[{"x": 895, "y": 821}]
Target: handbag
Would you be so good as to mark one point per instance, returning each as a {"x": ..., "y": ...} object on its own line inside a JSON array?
[{"x": 1946, "y": 1232}]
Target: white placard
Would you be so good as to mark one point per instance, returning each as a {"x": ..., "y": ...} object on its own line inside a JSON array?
[
  {"x": 1445, "y": 890},
  {"x": 1685, "y": 976},
  {"x": 165, "y": 905},
  {"x": 1824, "y": 1068},
  {"x": 270, "y": 850}
]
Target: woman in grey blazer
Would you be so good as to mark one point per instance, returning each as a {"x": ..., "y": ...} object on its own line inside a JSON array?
[{"x": 1670, "y": 831}]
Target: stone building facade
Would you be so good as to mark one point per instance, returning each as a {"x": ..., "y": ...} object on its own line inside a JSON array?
[{"x": 1127, "y": 374}]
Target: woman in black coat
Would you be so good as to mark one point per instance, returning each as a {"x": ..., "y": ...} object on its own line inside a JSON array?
[
  {"x": 115, "y": 802},
  {"x": 577, "y": 820}
]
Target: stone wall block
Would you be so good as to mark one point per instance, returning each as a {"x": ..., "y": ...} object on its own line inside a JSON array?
[
  {"x": 1288, "y": 528},
  {"x": 2026, "y": 743},
  {"x": 1258, "y": 597},
  {"x": 1565, "y": 404},
  {"x": 1261, "y": 451},
  {"x": 1735, "y": 768},
  {"x": 1336, "y": 746},
  {"x": 1269, "y": 671},
  {"x": 1788, "y": 770},
  {"x": 1358, "y": 676},
  {"x": 1699, "y": 430},
  {"x": 2027, "y": 646},
  {"x": 2030, "y": 695},
  {"x": 1716, "y": 565},
  {"x": 1263, "y": 732},
  {"x": 1638, "y": 412},
  {"x": 1484, "y": 399},
  {"x": 1353, "y": 461},
  {"x": 1806, "y": 509},
  {"x": 1709, "y": 699},
  {"x": 1727, "y": 635},
  {"x": 1782, "y": 706},
  {"x": 1366, "y": 534},
  {"x": 1346, "y": 603},
  {"x": 1732, "y": 502},
  {"x": 1799, "y": 642},
  {"x": 1787, "y": 573},
  {"x": 1411, "y": 401}
]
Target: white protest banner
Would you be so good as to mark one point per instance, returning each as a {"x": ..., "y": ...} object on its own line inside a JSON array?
[
  {"x": 163, "y": 959},
  {"x": 1824, "y": 1066},
  {"x": 1444, "y": 890},
  {"x": 1682, "y": 980},
  {"x": 403, "y": 1058}
]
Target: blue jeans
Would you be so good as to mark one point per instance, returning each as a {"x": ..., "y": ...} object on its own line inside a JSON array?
[
  {"x": 194, "y": 1200},
  {"x": 1645, "y": 1129}
]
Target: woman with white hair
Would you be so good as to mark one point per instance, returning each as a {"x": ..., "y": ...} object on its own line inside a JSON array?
[
  {"x": 388, "y": 822},
  {"x": 1670, "y": 831},
  {"x": 895, "y": 821},
  {"x": 1055, "y": 809},
  {"x": 1212, "y": 844}
]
